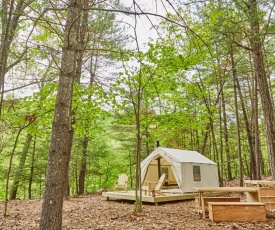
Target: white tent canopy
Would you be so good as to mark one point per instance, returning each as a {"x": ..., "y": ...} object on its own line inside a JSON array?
[{"x": 187, "y": 168}]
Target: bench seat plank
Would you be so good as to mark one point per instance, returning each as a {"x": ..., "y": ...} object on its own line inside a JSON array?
[{"x": 214, "y": 199}]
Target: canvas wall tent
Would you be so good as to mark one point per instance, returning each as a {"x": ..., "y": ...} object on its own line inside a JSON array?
[{"x": 187, "y": 168}]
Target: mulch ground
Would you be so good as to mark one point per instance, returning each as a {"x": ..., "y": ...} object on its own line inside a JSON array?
[{"x": 95, "y": 212}]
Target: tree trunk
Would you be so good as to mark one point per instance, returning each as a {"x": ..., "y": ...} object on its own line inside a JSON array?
[
  {"x": 260, "y": 74},
  {"x": 138, "y": 157},
  {"x": 131, "y": 170},
  {"x": 215, "y": 148},
  {"x": 256, "y": 130},
  {"x": 221, "y": 143},
  {"x": 147, "y": 148},
  {"x": 20, "y": 167},
  {"x": 9, "y": 171},
  {"x": 79, "y": 58},
  {"x": 83, "y": 166},
  {"x": 85, "y": 143},
  {"x": 226, "y": 139},
  {"x": 76, "y": 176},
  {"x": 252, "y": 167},
  {"x": 11, "y": 12},
  {"x": 205, "y": 139},
  {"x": 59, "y": 153},
  {"x": 238, "y": 126},
  {"x": 32, "y": 169}
]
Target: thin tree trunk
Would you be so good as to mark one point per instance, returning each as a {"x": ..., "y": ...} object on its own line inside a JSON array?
[
  {"x": 83, "y": 166},
  {"x": 221, "y": 144},
  {"x": 256, "y": 129},
  {"x": 191, "y": 138},
  {"x": 10, "y": 165},
  {"x": 238, "y": 126},
  {"x": 247, "y": 125},
  {"x": 205, "y": 139},
  {"x": 76, "y": 176},
  {"x": 20, "y": 167},
  {"x": 131, "y": 170},
  {"x": 9, "y": 171},
  {"x": 138, "y": 157},
  {"x": 197, "y": 139},
  {"x": 249, "y": 134},
  {"x": 32, "y": 169},
  {"x": 226, "y": 140},
  {"x": 11, "y": 11},
  {"x": 85, "y": 143},
  {"x": 215, "y": 148},
  {"x": 147, "y": 148}
]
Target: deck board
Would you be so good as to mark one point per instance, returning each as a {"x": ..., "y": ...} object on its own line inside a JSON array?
[{"x": 130, "y": 195}]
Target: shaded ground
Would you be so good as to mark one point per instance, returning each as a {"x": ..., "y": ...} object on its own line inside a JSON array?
[{"x": 95, "y": 212}]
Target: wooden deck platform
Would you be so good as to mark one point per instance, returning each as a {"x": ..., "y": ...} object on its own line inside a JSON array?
[{"x": 130, "y": 195}]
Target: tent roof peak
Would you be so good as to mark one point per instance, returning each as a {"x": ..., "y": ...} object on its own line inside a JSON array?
[{"x": 182, "y": 155}]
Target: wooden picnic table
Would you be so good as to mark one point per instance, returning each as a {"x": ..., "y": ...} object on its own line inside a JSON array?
[{"x": 251, "y": 193}]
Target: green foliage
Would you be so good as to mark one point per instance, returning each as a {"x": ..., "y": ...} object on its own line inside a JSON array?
[{"x": 174, "y": 86}]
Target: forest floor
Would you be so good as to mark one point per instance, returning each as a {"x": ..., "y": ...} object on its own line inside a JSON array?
[{"x": 95, "y": 212}]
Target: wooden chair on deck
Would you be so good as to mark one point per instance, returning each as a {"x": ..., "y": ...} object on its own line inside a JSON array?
[
  {"x": 121, "y": 183},
  {"x": 149, "y": 186}
]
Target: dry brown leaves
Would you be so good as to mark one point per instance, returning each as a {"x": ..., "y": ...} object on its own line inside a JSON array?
[{"x": 95, "y": 212}]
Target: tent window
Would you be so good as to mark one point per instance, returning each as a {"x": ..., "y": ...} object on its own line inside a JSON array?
[
  {"x": 196, "y": 173},
  {"x": 164, "y": 170}
]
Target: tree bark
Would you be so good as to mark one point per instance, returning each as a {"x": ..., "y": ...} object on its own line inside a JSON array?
[
  {"x": 59, "y": 153},
  {"x": 238, "y": 125},
  {"x": 256, "y": 130},
  {"x": 79, "y": 60},
  {"x": 10, "y": 14},
  {"x": 85, "y": 142},
  {"x": 32, "y": 169},
  {"x": 205, "y": 139},
  {"x": 20, "y": 167},
  {"x": 252, "y": 168},
  {"x": 83, "y": 166},
  {"x": 226, "y": 139},
  {"x": 260, "y": 74},
  {"x": 215, "y": 149}
]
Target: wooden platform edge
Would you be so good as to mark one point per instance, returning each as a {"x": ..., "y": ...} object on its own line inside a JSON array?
[{"x": 150, "y": 199}]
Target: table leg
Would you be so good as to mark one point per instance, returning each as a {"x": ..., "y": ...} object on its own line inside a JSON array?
[
  {"x": 259, "y": 192},
  {"x": 252, "y": 196},
  {"x": 202, "y": 205}
]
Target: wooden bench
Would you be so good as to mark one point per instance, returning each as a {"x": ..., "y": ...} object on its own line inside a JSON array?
[
  {"x": 214, "y": 199},
  {"x": 266, "y": 191},
  {"x": 236, "y": 211},
  {"x": 259, "y": 183},
  {"x": 251, "y": 193},
  {"x": 267, "y": 196}
]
